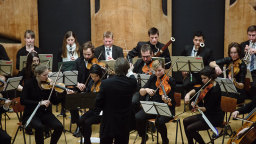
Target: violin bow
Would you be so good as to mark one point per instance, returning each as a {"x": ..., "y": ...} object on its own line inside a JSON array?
[
  {"x": 200, "y": 89},
  {"x": 215, "y": 130},
  {"x": 38, "y": 105}
]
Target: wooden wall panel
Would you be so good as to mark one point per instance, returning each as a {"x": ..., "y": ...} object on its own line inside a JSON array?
[
  {"x": 238, "y": 17},
  {"x": 17, "y": 16},
  {"x": 129, "y": 20}
]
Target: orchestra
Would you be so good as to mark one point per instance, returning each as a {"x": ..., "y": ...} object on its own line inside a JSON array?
[{"x": 119, "y": 93}]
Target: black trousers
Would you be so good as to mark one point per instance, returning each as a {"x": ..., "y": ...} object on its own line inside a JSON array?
[
  {"x": 46, "y": 119},
  {"x": 123, "y": 138},
  {"x": 141, "y": 122},
  {"x": 85, "y": 123},
  {"x": 192, "y": 125},
  {"x": 4, "y": 137}
]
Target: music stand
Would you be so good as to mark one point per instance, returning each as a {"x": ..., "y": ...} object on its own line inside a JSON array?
[
  {"x": 53, "y": 76},
  {"x": 80, "y": 100},
  {"x": 187, "y": 63},
  {"x": 12, "y": 83},
  {"x": 143, "y": 77},
  {"x": 70, "y": 78},
  {"x": 46, "y": 59},
  {"x": 23, "y": 62},
  {"x": 67, "y": 66},
  {"x": 6, "y": 67},
  {"x": 156, "y": 108},
  {"x": 226, "y": 85}
]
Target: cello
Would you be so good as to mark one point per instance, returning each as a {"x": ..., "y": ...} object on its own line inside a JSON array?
[{"x": 247, "y": 133}]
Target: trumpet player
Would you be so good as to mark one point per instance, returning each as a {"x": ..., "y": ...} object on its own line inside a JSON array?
[{"x": 249, "y": 47}]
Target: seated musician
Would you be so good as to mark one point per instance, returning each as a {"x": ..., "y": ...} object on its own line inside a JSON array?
[
  {"x": 239, "y": 70},
  {"x": 144, "y": 65},
  {"x": 4, "y": 137},
  {"x": 92, "y": 116},
  {"x": 108, "y": 51},
  {"x": 245, "y": 109},
  {"x": 196, "y": 50},
  {"x": 209, "y": 102},
  {"x": 148, "y": 93},
  {"x": 32, "y": 95},
  {"x": 3, "y": 53},
  {"x": 153, "y": 42}
]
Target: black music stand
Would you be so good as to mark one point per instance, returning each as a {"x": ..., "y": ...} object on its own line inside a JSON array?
[
  {"x": 70, "y": 78},
  {"x": 6, "y": 67},
  {"x": 143, "y": 78},
  {"x": 67, "y": 66},
  {"x": 226, "y": 85},
  {"x": 156, "y": 108},
  {"x": 187, "y": 63}
]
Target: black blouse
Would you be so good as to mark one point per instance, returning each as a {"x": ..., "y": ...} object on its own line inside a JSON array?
[
  {"x": 151, "y": 83},
  {"x": 23, "y": 52}
]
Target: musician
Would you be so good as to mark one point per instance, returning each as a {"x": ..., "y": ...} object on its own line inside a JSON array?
[
  {"x": 250, "y": 46},
  {"x": 149, "y": 92},
  {"x": 115, "y": 99},
  {"x": 245, "y": 109},
  {"x": 3, "y": 54},
  {"x": 146, "y": 61},
  {"x": 92, "y": 116},
  {"x": 194, "y": 51},
  {"x": 239, "y": 70},
  {"x": 108, "y": 51},
  {"x": 155, "y": 45},
  {"x": 70, "y": 47},
  {"x": 4, "y": 137},
  {"x": 32, "y": 94},
  {"x": 210, "y": 99},
  {"x": 29, "y": 37}
]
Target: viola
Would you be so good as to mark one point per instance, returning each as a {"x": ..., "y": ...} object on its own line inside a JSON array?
[
  {"x": 249, "y": 134},
  {"x": 165, "y": 87},
  {"x": 204, "y": 92},
  {"x": 96, "y": 87},
  {"x": 59, "y": 87},
  {"x": 147, "y": 68},
  {"x": 91, "y": 62}
]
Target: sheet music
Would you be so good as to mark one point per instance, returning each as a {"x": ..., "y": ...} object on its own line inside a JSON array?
[
  {"x": 12, "y": 83},
  {"x": 144, "y": 78},
  {"x": 70, "y": 78},
  {"x": 163, "y": 109},
  {"x": 228, "y": 85},
  {"x": 196, "y": 63},
  {"x": 148, "y": 107},
  {"x": 53, "y": 76},
  {"x": 6, "y": 67}
]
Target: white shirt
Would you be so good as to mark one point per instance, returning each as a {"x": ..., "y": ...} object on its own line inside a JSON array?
[
  {"x": 252, "y": 45},
  {"x": 71, "y": 52},
  {"x": 108, "y": 53},
  {"x": 194, "y": 52}
]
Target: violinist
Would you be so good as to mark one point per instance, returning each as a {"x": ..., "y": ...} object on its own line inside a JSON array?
[
  {"x": 245, "y": 109},
  {"x": 108, "y": 51},
  {"x": 148, "y": 93},
  {"x": 196, "y": 50},
  {"x": 208, "y": 102},
  {"x": 239, "y": 70},
  {"x": 92, "y": 116},
  {"x": 32, "y": 94},
  {"x": 153, "y": 42},
  {"x": 144, "y": 65}
]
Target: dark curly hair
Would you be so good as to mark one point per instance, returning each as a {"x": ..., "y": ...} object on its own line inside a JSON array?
[{"x": 209, "y": 72}]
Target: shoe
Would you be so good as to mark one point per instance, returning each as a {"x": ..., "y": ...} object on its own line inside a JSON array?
[
  {"x": 77, "y": 133},
  {"x": 29, "y": 131},
  {"x": 144, "y": 139}
]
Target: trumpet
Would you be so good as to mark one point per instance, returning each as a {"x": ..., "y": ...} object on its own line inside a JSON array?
[{"x": 247, "y": 56}]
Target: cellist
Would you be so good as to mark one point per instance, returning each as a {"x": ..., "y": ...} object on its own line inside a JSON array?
[
  {"x": 235, "y": 64},
  {"x": 210, "y": 99},
  {"x": 149, "y": 92}
]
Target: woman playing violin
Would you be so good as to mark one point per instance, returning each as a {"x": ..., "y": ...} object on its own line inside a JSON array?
[
  {"x": 210, "y": 98},
  {"x": 166, "y": 83},
  {"x": 32, "y": 94},
  {"x": 239, "y": 70},
  {"x": 91, "y": 116}
]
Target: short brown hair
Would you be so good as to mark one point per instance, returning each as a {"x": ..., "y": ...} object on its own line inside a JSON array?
[
  {"x": 153, "y": 31},
  {"x": 88, "y": 45},
  {"x": 251, "y": 28},
  {"x": 121, "y": 66},
  {"x": 108, "y": 34},
  {"x": 145, "y": 48}
]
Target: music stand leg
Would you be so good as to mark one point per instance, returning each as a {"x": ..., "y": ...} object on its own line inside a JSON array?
[{"x": 180, "y": 131}]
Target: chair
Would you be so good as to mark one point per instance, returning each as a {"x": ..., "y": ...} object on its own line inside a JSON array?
[{"x": 18, "y": 109}]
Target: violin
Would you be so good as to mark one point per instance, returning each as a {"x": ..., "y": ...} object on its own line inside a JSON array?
[
  {"x": 204, "y": 92},
  {"x": 147, "y": 68},
  {"x": 165, "y": 87},
  {"x": 234, "y": 68},
  {"x": 158, "y": 53},
  {"x": 59, "y": 87},
  {"x": 92, "y": 61},
  {"x": 247, "y": 133},
  {"x": 96, "y": 87}
]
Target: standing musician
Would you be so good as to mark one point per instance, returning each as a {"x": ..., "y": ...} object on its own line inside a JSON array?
[
  {"x": 3, "y": 54},
  {"x": 249, "y": 47},
  {"x": 144, "y": 65},
  {"x": 108, "y": 51},
  {"x": 29, "y": 37},
  {"x": 196, "y": 50},
  {"x": 235, "y": 63},
  {"x": 115, "y": 100},
  {"x": 209, "y": 102},
  {"x": 32, "y": 94},
  {"x": 153, "y": 42},
  {"x": 91, "y": 116},
  {"x": 149, "y": 92}
]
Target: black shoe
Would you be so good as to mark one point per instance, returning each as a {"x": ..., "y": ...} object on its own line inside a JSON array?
[
  {"x": 29, "y": 131},
  {"x": 77, "y": 133},
  {"x": 144, "y": 139}
]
